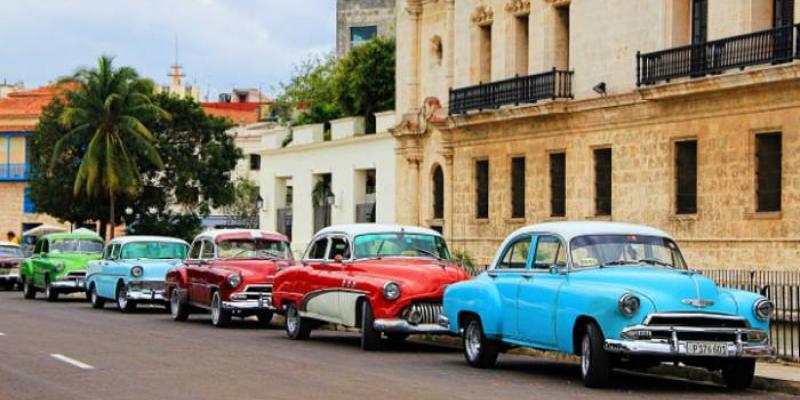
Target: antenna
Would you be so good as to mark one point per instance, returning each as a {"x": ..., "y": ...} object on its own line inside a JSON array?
[{"x": 176, "y": 74}]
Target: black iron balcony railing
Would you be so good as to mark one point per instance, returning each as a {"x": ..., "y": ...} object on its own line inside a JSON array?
[
  {"x": 771, "y": 46},
  {"x": 518, "y": 90},
  {"x": 14, "y": 172}
]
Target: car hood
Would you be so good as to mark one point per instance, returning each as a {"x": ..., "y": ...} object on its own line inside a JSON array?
[
  {"x": 7, "y": 262},
  {"x": 413, "y": 274},
  {"x": 669, "y": 290},
  {"x": 73, "y": 261},
  {"x": 256, "y": 271}
]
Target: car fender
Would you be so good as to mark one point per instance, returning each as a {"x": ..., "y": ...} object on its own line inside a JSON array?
[
  {"x": 744, "y": 304},
  {"x": 476, "y": 296}
]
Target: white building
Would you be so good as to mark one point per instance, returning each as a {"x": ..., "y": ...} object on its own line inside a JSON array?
[{"x": 313, "y": 182}]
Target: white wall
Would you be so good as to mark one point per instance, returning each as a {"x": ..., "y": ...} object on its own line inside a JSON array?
[{"x": 341, "y": 158}]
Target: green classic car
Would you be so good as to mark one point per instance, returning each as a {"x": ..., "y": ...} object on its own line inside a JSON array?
[{"x": 58, "y": 264}]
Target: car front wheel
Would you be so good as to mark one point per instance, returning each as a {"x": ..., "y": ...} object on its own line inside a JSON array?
[
  {"x": 28, "y": 291},
  {"x": 479, "y": 351},
  {"x": 297, "y": 327},
  {"x": 595, "y": 361},
  {"x": 220, "y": 317},
  {"x": 370, "y": 338},
  {"x": 97, "y": 301},
  {"x": 49, "y": 292},
  {"x": 738, "y": 374},
  {"x": 123, "y": 304},
  {"x": 177, "y": 309}
]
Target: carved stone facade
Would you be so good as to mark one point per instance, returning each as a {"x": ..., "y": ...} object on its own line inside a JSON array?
[
  {"x": 362, "y": 14},
  {"x": 723, "y": 113}
]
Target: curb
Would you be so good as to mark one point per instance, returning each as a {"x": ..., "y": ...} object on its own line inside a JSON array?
[{"x": 690, "y": 373}]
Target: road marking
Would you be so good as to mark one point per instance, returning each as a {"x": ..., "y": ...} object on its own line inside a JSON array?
[{"x": 73, "y": 362}]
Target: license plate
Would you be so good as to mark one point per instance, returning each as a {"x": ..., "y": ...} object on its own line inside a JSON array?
[{"x": 707, "y": 348}]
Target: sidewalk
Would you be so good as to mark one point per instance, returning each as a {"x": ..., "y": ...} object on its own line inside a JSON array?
[{"x": 780, "y": 374}]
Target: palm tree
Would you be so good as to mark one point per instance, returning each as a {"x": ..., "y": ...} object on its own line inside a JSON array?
[{"x": 105, "y": 114}]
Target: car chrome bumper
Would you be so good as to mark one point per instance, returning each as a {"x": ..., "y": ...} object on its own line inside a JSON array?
[
  {"x": 679, "y": 349},
  {"x": 146, "y": 295},
  {"x": 68, "y": 285},
  {"x": 262, "y": 304},
  {"x": 9, "y": 278},
  {"x": 402, "y": 326}
]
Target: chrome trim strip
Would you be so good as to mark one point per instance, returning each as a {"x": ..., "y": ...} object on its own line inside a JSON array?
[
  {"x": 403, "y": 326},
  {"x": 674, "y": 349}
]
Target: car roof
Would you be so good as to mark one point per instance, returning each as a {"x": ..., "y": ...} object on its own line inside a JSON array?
[
  {"x": 72, "y": 235},
  {"x": 363, "y": 229},
  {"x": 215, "y": 234},
  {"x": 8, "y": 244},
  {"x": 123, "y": 240},
  {"x": 571, "y": 229}
]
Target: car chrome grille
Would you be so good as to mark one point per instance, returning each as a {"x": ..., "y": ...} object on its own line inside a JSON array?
[
  {"x": 258, "y": 289},
  {"x": 77, "y": 274},
  {"x": 695, "y": 320},
  {"x": 148, "y": 285},
  {"x": 428, "y": 312}
]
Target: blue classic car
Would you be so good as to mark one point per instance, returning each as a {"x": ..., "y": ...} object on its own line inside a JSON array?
[
  {"x": 614, "y": 294},
  {"x": 132, "y": 270}
]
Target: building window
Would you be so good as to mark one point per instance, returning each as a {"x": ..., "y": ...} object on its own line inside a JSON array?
[
  {"x": 768, "y": 172},
  {"x": 361, "y": 34},
  {"x": 522, "y": 44},
  {"x": 782, "y": 13},
  {"x": 558, "y": 184},
  {"x": 562, "y": 37},
  {"x": 482, "y": 189},
  {"x": 699, "y": 21},
  {"x": 28, "y": 207},
  {"x": 486, "y": 53},
  {"x": 438, "y": 193},
  {"x": 255, "y": 162},
  {"x": 686, "y": 177},
  {"x": 518, "y": 187},
  {"x": 602, "y": 181}
]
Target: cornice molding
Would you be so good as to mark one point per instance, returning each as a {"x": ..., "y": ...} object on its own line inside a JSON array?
[
  {"x": 483, "y": 15},
  {"x": 519, "y": 7}
]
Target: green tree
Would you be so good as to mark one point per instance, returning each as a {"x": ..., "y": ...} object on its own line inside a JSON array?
[
  {"x": 245, "y": 205},
  {"x": 105, "y": 114},
  {"x": 310, "y": 95}
]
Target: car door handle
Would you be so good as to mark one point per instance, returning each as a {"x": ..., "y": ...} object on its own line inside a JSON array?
[
  {"x": 527, "y": 275},
  {"x": 492, "y": 274}
]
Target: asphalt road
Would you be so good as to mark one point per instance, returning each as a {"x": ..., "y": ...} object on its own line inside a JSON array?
[{"x": 103, "y": 354}]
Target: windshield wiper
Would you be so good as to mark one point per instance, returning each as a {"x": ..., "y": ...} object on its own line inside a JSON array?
[
  {"x": 616, "y": 262},
  {"x": 655, "y": 261},
  {"x": 427, "y": 252},
  {"x": 380, "y": 247}
]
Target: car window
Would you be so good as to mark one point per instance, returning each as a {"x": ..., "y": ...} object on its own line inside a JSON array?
[
  {"x": 208, "y": 250},
  {"x": 317, "y": 250},
  {"x": 195, "y": 252},
  {"x": 115, "y": 251},
  {"x": 516, "y": 255},
  {"x": 549, "y": 252},
  {"x": 107, "y": 251},
  {"x": 339, "y": 247}
]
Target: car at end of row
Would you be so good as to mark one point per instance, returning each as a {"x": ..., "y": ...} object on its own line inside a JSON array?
[
  {"x": 133, "y": 271},
  {"x": 229, "y": 273},
  {"x": 58, "y": 264},
  {"x": 384, "y": 279},
  {"x": 11, "y": 256},
  {"x": 617, "y": 295}
]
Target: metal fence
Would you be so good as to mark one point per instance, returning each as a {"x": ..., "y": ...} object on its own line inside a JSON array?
[
  {"x": 518, "y": 90},
  {"x": 783, "y": 288},
  {"x": 771, "y": 46}
]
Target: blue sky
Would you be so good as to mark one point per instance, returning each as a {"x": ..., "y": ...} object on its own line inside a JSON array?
[{"x": 222, "y": 43}]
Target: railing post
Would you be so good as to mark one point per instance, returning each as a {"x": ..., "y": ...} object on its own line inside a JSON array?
[
  {"x": 638, "y": 68},
  {"x": 555, "y": 84}
]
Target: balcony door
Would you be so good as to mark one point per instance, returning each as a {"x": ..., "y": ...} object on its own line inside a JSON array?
[
  {"x": 782, "y": 21},
  {"x": 699, "y": 36}
]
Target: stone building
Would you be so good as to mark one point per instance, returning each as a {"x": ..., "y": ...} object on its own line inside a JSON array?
[
  {"x": 681, "y": 114},
  {"x": 360, "y": 20}
]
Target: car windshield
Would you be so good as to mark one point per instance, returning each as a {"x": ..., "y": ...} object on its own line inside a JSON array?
[
  {"x": 72, "y": 245},
  {"x": 10, "y": 251},
  {"x": 154, "y": 250},
  {"x": 610, "y": 250},
  {"x": 400, "y": 245},
  {"x": 254, "y": 248}
]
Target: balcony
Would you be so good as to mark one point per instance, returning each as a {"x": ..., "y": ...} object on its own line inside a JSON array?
[
  {"x": 771, "y": 46},
  {"x": 514, "y": 91},
  {"x": 14, "y": 172}
]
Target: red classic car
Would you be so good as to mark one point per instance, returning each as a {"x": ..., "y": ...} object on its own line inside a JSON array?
[
  {"x": 10, "y": 258},
  {"x": 228, "y": 272},
  {"x": 384, "y": 279}
]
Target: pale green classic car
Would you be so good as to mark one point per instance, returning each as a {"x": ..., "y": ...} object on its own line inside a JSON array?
[{"x": 58, "y": 264}]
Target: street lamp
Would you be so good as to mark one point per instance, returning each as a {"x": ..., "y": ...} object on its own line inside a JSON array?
[
  {"x": 331, "y": 199},
  {"x": 259, "y": 203}
]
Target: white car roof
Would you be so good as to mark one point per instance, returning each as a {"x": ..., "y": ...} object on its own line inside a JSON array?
[
  {"x": 123, "y": 240},
  {"x": 353, "y": 230},
  {"x": 571, "y": 229},
  {"x": 8, "y": 244},
  {"x": 214, "y": 233}
]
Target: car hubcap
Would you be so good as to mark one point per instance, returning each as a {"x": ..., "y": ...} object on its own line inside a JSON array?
[
  {"x": 174, "y": 303},
  {"x": 215, "y": 309},
  {"x": 94, "y": 296},
  {"x": 122, "y": 298},
  {"x": 586, "y": 353},
  {"x": 291, "y": 320},
  {"x": 473, "y": 342}
]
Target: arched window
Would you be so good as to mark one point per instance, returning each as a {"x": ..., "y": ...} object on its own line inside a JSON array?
[{"x": 438, "y": 193}]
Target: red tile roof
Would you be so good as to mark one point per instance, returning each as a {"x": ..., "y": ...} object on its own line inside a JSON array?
[
  {"x": 29, "y": 103},
  {"x": 239, "y": 113}
]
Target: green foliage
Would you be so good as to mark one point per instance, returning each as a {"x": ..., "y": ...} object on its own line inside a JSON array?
[
  {"x": 324, "y": 88},
  {"x": 244, "y": 207},
  {"x": 465, "y": 260}
]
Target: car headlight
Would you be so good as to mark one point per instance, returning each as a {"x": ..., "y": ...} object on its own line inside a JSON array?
[
  {"x": 234, "y": 280},
  {"x": 59, "y": 267},
  {"x": 763, "y": 309},
  {"x": 629, "y": 304},
  {"x": 391, "y": 291},
  {"x": 137, "y": 271}
]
